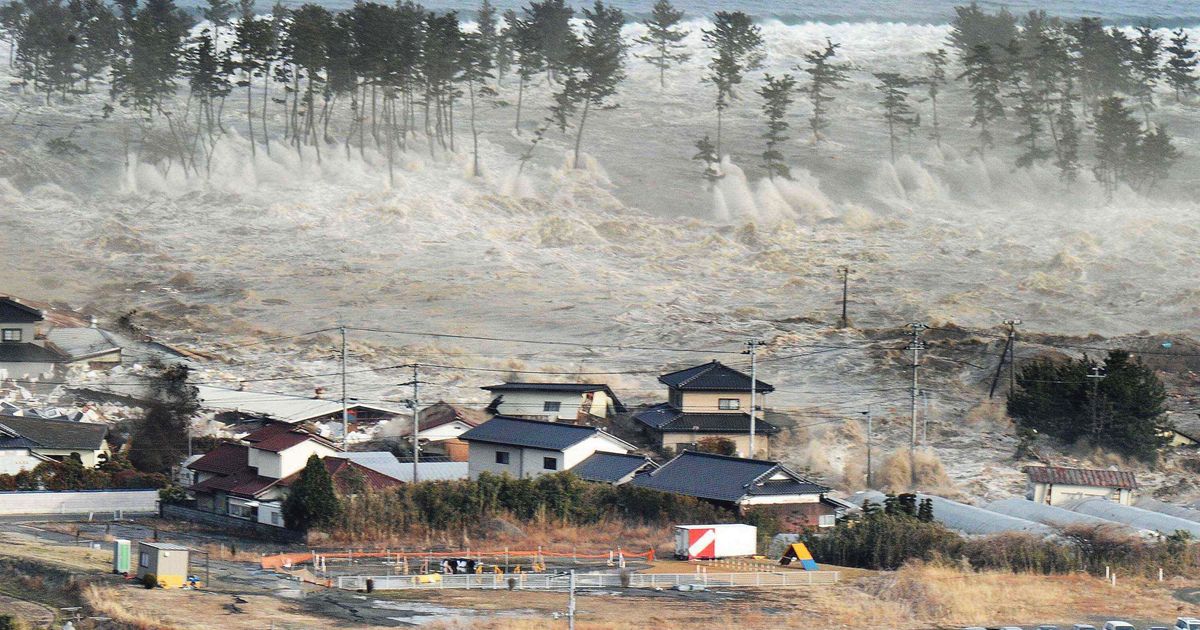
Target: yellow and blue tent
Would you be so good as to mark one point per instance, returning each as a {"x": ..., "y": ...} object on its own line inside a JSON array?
[{"x": 797, "y": 551}]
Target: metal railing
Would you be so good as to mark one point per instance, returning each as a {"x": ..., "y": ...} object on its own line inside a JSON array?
[{"x": 559, "y": 581}]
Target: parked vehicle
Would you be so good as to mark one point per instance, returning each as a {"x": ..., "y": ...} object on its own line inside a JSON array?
[
  {"x": 1118, "y": 625},
  {"x": 1187, "y": 623},
  {"x": 1083, "y": 626},
  {"x": 1047, "y": 627}
]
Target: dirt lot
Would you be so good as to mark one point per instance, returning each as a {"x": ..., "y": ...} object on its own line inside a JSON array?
[{"x": 243, "y": 596}]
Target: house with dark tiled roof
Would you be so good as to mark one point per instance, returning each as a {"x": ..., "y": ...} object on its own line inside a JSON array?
[
  {"x": 1056, "y": 485},
  {"x": 250, "y": 479},
  {"x": 739, "y": 483},
  {"x": 571, "y": 402},
  {"x": 26, "y": 441},
  {"x": 24, "y": 353},
  {"x": 614, "y": 468},
  {"x": 524, "y": 448},
  {"x": 708, "y": 401}
]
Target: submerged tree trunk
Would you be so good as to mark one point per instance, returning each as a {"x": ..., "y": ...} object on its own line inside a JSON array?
[
  {"x": 265, "y": 99},
  {"x": 250, "y": 114},
  {"x": 587, "y": 104},
  {"x": 520, "y": 99},
  {"x": 474, "y": 133}
]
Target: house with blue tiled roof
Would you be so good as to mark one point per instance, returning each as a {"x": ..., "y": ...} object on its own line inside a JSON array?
[{"x": 708, "y": 401}]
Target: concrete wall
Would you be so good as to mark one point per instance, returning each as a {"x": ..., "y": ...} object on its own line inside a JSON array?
[
  {"x": 79, "y": 502},
  {"x": 292, "y": 460},
  {"x": 220, "y": 521}
]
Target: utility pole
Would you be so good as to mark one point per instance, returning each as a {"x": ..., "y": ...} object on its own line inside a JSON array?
[
  {"x": 571, "y": 603},
  {"x": 345, "y": 408},
  {"x": 416, "y": 424},
  {"x": 870, "y": 440},
  {"x": 925, "y": 420},
  {"x": 1012, "y": 353},
  {"x": 1097, "y": 375},
  {"x": 752, "y": 350},
  {"x": 916, "y": 345},
  {"x": 845, "y": 271}
]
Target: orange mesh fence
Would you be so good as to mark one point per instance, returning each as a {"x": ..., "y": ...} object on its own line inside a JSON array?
[{"x": 289, "y": 559}]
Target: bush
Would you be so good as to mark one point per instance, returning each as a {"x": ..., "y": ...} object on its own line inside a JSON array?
[
  {"x": 150, "y": 581},
  {"x": 11, "y": 622}
]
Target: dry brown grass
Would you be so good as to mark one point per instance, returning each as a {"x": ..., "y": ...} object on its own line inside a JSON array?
[
  {"x": 549, "y": 535},
  {"x": 107, "y": 601}
]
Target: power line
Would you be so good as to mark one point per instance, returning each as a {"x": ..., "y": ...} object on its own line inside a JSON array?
[{"x": 545, "y": 342}]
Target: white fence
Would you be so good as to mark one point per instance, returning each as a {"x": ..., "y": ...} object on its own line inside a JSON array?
[
  {"x": 560, "y": 581},
  {"x": 103, "y": 503}
]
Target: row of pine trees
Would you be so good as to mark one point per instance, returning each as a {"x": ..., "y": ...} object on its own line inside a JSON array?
[{"x": 400, "y": 73}]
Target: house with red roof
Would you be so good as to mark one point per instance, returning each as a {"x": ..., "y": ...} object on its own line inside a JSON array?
[{"x": 249, "y": 479}]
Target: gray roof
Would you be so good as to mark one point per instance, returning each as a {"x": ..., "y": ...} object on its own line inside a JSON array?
[
  {"x": 714, "y": 376},
  {"x": 611, "y": 467},
  {"x": 553, "y": 436},
  {"x": 12, "y": 311},
  {"x": 55, "y": 434},
  {"x": 81, "y": 343},
  {"x": 1134, "y": 516},
  {"x": 664, "y": 417},
  {"x": 385, "y": 463},
  {"x": 29, "y": 353},
  {"x": 1051, "y": 515},
  {"x": 724, "y": 478},
  {"x": 968, "y": 519},
  {"x": 1178, "y": 511},
  {"x": 163, "y": 546}
]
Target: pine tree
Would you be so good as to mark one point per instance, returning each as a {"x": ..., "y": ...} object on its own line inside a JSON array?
[
  {"x": 736, "y": 43},
  {"x": 159, "y": 438},
  {"x": 217, "y": 12},
  {"x": 706, "y": 154},
  {"x": 1029, "y": 110},
  {"x": 1153, "y": 158},
  {"x": 934, "y": 80},
  {"x": 12, "y": 22},
  {"x": 1146, "y": 69},
  {"x": 600, "y": 61},
  {"x": 776, "y": 93},
  {"x": 311, "y": 502},
  {"x": 1104, "y": 58},
  {"x": 925, "y": 511},
  {"x": 146, "y": 73},
  {"x": 825, "y": 76},
  {"x": 441, "y": 69},
  {"x": 504, "y": 45},
  {"x": 1181, "y": 64},
  {"x": 207, "y": 73},
  {"x": 983, "y": 82},
  {"x": 47, "y": 50},
  {"x": 972, "y": 27},
  {"x": 897, "y": 113},
  {"x": 664, "y": 36},
  {"x": 1117, "y": 136},
  {"x": 305, "y": 39},
  {"x": 488, "y": 39},
  {"x": 254, "y": 44},
  {"x": 477, "y": 62},
  {"x": 1067, "y": 146},
  {"x": 527, "y": 50},
  {"x": 99, "y": 38},
  {"x": 550, "y": 24}
]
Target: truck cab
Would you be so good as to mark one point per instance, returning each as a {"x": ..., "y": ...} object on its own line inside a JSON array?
[{"x": 1187, "y": 623}]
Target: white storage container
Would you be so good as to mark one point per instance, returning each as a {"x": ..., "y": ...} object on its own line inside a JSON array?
[{"x": 706, "y": 542}]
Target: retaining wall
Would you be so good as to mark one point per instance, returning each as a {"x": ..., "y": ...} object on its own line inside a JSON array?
[
  {"x": 228, "y": 523},
  {"x": 79, "y": 502}
]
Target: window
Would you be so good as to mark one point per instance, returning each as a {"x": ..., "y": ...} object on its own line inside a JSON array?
[
  {"x": 550, "y": 463},
  {"x": 502, "y": 457},
  {"x": 238, "y": 510},
  {"x": 144, "y": 559},
  {"x": 826, "y": 520},
  {"x": 550, "y": 405},
  {"x": 728, "y": 404},
  {"x": 275, "y": 520},
  {"x": 11, "y": 334}
]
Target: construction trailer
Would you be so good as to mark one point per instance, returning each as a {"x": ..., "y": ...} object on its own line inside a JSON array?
[
  {"x": 708, "y": 542},
  {"x": 167, "y": 562}
]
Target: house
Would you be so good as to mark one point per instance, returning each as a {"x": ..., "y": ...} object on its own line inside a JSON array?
[
  {"x": 1056, "y": 485},
  {"x": 166, "y": 562},
  {"x": 521, "y": 447},
  {"x": 440, "y": 426},
  {"x": 24, "y": 353},
  {"x": 237, "y": 406},
  {"x": 738, "y": 483},
  {"x": 614, "y": 468},
  {"x": 41, "y": 439},
  {"x": 554, "y": 401},
  {"x": 250, "y": 479},
  {"x": 708, "y": 401},
  {"x": 88, "y": 347}
]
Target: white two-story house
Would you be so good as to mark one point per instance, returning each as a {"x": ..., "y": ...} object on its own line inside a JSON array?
[
  {"x": 24, "y": 353},
  {"x": 524, "y": 448},
  {"x": 571, "y": 402}
]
